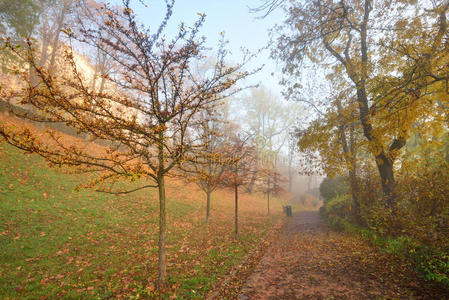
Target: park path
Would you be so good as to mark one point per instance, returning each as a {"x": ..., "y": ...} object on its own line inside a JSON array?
[{"x": 310, "y": 261}]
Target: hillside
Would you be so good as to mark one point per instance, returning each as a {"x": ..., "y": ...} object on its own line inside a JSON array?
[{"x": 55, "y": 242}]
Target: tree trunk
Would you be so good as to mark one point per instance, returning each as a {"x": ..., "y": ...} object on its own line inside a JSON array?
[
  {"x": 275, "y": 185},
  {"x": 268, "y": 202},
  {"x": 355, "y": 196},
  {"x": 207, "y": 206},
  {"x": 102, "y": 82},
  {"x": 268, "y": 195},
  {"x": 46, "y": 36},
  {"x": 253, "y": 180},
  {"x": 290, "y": 179},
  {"x": 56, "y": 42},
  {"x": 385, "y": 167},
  {"x": 162, "y": 233},
  {"x": 236, "y": 192},
  {"x": 275, "y": 178},
  {"x": 350, "y": 160}
]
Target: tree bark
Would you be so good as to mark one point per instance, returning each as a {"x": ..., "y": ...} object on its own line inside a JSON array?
[
  {"x": 162, "y": 266},
  {"x": 236, "y": 192},
  {"x": 162, "y": 233},
  {"x": 385, "y": 167},
  {"x": 207, "y": 206}
]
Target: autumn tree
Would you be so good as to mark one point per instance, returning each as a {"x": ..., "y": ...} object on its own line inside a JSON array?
[
  {"x": 206, "y": 162},
  {"x": 147, "y": 119},
  {"x": 240, "y": 158},
  {"x": 335, "y": 135},
  {"x": 271, "y": 185},
  {"x": 373, "y": 45}
]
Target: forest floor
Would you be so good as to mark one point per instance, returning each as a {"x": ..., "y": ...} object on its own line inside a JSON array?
[{"x": 308, "y": 260}]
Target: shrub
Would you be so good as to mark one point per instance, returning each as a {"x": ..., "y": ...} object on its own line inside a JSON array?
[
  {"x": 332, "y": 187},
  {"x": 337, "y": 207},
  {"x": 432, "y": 264}
]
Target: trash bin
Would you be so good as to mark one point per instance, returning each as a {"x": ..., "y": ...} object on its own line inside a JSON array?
[{"x": 288, "y": 210}]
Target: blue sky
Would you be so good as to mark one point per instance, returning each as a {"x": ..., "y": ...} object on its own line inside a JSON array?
[{"x": 242, "y": 28}]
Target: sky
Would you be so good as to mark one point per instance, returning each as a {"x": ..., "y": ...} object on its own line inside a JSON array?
[{"x": 241, "y": 27}]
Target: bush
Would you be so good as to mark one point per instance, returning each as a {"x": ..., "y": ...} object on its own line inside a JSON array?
[
  {"x": 432, "y": 264},
  {"x": 337, "y": 207},
  {"x": 332, "y": 187}
]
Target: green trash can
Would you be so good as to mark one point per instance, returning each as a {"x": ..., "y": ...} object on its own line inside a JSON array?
[{"x": 288, "y": 210}]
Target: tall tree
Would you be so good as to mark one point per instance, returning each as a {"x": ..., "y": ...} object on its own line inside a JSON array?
[
  {"x": 147, "y": 119},
  {"x": 291, "y": 156},
  {"x": 351, "y": 37},
  {"x": 53, "y": 19},
  {"x": 268, "y": 120}
]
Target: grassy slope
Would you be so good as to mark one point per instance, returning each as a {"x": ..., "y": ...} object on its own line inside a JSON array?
[{"x": 58, "y": 243}]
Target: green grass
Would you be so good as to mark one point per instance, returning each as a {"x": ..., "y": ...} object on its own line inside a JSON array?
[{"x": 57, "y": 243}]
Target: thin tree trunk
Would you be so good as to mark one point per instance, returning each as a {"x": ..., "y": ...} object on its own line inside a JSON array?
[
  {"x": 236, "y": 191},
  {"x": 290, "y": 179},
  {"x": 350, "y": 161},
  {"x": 253, "y": 180},
  {"x": 65, "y": 7},
  {"x": 46, "y": 36},
  {"x": 102, "y": 82},
  {"x": 207, "y": 207},
  {"x": 355, "y": 196},
  {"x": 162, "y": 233},
  {"x": 268, "y": 202},
  {"x": 268, "y": 195},
  {"x": 275, "y": 178},
  {"x": 162, "y": 215}
]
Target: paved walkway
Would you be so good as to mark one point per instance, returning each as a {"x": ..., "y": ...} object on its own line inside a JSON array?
[{"x": 309, "y": 261}]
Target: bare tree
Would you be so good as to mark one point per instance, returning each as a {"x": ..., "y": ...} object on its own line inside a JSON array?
[
  {"x": 148, "y": 118},
  {"x": 240, "y": 161}
]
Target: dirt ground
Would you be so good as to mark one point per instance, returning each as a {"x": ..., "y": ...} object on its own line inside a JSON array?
[{"x": 311, "y": 261}]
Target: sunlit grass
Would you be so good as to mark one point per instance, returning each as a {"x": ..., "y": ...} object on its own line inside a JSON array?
[{"x": 58, "y": 243}]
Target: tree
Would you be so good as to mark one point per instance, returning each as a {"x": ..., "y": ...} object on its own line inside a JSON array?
[
  {"x": 206, "y": 163},
  {"x": 52, "y": 21},
  {"x": 19, "y": 18},
  {"x": 240, "y": 161},
  {"x": 268, "y": 120},
  {"x": 388, "y": 81},
  {"x": 271, "y": 178},
  {"x": 291, "y": 155},
  {"x": 335, "y": 136},
  {"x": 147, "y": 120}
]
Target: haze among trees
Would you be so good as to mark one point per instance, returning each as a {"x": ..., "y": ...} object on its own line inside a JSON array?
[{"x": 162, "y": 122}]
